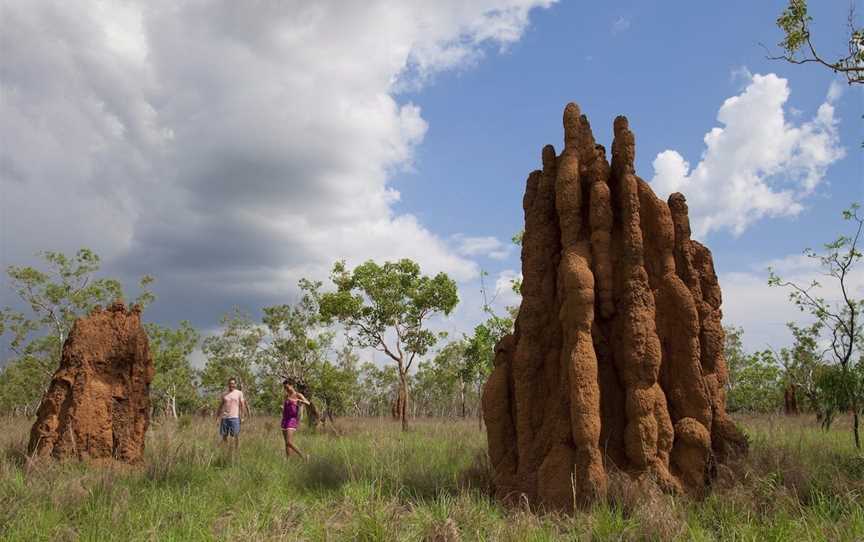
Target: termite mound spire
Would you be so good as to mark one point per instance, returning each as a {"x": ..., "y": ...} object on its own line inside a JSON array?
[{"x": 616, "y": 361}]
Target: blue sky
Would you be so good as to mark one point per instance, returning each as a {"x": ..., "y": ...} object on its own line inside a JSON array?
[
  {"x": 667, "y": 66},
  {"x": 231, "y": 149},
  {"x": 488, "y": 123}
]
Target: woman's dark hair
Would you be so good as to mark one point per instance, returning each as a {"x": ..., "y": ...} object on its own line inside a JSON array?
[{"x": 286, "y": 382}]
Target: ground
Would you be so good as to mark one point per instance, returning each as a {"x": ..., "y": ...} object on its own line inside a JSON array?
[{"x": 374, "y": 483}]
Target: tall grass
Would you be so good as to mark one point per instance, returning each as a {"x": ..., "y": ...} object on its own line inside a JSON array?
[{"x": 371, "y": 482}]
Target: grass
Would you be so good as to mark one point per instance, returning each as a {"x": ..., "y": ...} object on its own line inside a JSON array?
[{"x": 374, "y": 483}]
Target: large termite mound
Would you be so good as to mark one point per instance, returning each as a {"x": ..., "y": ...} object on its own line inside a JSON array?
[
  {"x": 98, "y": 403},
  {"x": 617, "y": 358}
]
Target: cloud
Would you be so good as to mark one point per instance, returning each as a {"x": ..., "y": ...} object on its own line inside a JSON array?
[
  {"x": 835, "y": 90},
  {"x": 504, "y": 294},
  {"x": 741, "y": 74},
  {"x": 489, "y": 247},
  {"x": 757, "y": 165},
  {"x": 744, "y": 290},
  {"x": 621, "y": 24},
  {"x": 226, "y": 150}
]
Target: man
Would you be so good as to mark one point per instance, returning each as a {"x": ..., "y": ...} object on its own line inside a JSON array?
[{"x": 233, "y": 403}]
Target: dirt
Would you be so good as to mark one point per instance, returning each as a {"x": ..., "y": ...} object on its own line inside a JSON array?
[
  {"x": 616, "y": 362},
  {"x": 98, "y": 403}
]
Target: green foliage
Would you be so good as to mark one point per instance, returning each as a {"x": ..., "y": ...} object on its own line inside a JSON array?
[
  {"x": 58, "y": 295},
  {"x": 234, "y": 353},
  {"x": 758, "y": 384},
  {"x": 297, "y": 340},
  {"x": 22, "y": 382},
  {"x": 441, "y": 384},
  {"x": 335, "y": 385},
  {"x": 841, "y": 319},
  {"x": 803, "y": 361},
  {"x": 374, "y": 299},
  {"x": 55, "y": 296},
  {"x": 377, "y": 386},
  {"x": 517, "y": 237},
  {"x": 839, "y": 390},
  {"x": 480, "y": 349},
  {"x": 795, "y": 23},
  {"x": 173, "y": 390},
  {"x": 755, "y": 381},
  {"x": 457, "y": 373},
  {"x": 296, "y": 347}
]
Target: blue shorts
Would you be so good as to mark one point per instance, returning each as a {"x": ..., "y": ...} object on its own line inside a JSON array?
[{"x": 229, "y": 426}]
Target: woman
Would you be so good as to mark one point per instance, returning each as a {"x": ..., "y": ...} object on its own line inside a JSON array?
[{"x": 291, "y": 417}]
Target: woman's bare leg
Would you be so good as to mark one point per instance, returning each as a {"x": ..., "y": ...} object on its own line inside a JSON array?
[{"x": 289, "y": 443}]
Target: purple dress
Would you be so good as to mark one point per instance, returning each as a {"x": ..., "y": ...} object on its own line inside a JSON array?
[{"x": 290, "y": 415}]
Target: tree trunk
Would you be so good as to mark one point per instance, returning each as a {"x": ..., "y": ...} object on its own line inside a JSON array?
[
  {"x": 479, "y": 409},
  {"x": 462, "y": 395},
  {"x": 172, "y": 401},
  {"x": 402, "y": 401},
  {"x": 312, "y": 415},
  {"x": 790, "y": 401},
  {"x": 855, "y": 430},
  {"x": 394, "y": 406}
]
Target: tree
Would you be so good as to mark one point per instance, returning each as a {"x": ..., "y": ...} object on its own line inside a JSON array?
[
  {"x": 22, "y": 383},
  {"x": 174, "y": 381},
  {"x": 802, "y": 363},
  {"x": 840, "y": 385},
  {"x": 334, "y": 385},
  {"x": 234, "y": 353},
  {"x": 297, "y": 345},
  {"x": 55, "y": 297},
  {"x": 375, "y": 300},
  {"x": 443, "y": 385},
  {"x": 377, "y": 385},
  {"x": 754, "y": 383},
  {"x": 480, "y": 348},
  {"x": 798, "y": 46}
]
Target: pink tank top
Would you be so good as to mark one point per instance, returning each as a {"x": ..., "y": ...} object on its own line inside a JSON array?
[{"x": 290, "y": 415}]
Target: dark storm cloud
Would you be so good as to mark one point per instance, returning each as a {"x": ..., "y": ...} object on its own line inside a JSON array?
[{"x": 225, "y": 149}]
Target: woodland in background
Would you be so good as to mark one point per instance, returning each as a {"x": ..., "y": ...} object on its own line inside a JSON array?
[
  {"x": 384, "y": 307},
  {"x": 299, "y": 342}
]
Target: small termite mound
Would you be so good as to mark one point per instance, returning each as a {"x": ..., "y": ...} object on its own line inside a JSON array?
[{"x": 98, "y": 403}]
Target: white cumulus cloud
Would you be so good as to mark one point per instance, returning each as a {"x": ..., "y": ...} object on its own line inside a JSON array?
[
  {"x": 227, "y": 148},
  {"x": 488, "y": 246},
  {"x": 746, "y": 291},
  {"x": 758, "y": 164}
]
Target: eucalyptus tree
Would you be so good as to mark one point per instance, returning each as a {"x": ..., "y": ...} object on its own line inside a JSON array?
[
  {"x": 53, "y": 295},
  {"x": 841, "y": 383},
  {"x": 803, "y": 362},
  {"x": 798, "y": 47},
  {"x": 174, "y": 383},
  {"x": 335, "y": 385},
  {"x": 385, "y": 307},
  {"x": 236, "y": 352},
  {"x": 376, "y": 387},
  {"x": 297, "y": 344}
]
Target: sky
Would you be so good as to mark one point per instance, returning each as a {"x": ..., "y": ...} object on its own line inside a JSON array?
[{"x": 230, "y": 149}]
